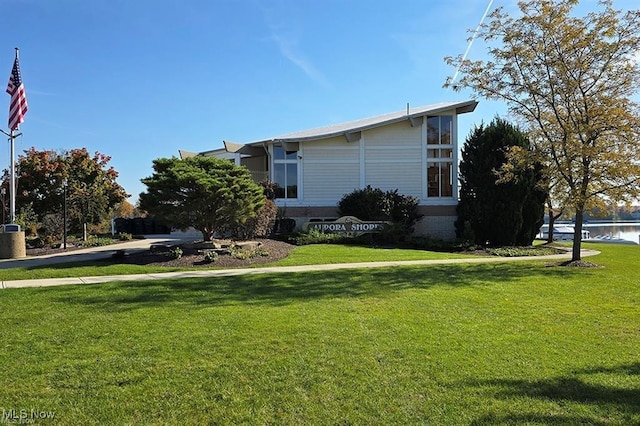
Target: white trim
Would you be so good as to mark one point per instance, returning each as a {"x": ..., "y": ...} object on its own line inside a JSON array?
[
  {"x": 297, "y": 161},
  {"x": 332, "y": 161},
  {"x": 282, "y": 202},
  {"x": 453, "y": 146},
  {"x": 391, "y": 147},
  {"x": 455, "y": 169},
  {"x": 333, "y": 148},
  {"x": 300, "y": 163},
  {"x": 423, "y": 148},
  {"x": 363, "y": 171},
  {"x": 413, "y": 161}
]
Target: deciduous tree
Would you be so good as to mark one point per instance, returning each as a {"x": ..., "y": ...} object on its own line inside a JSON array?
[
  {"x": 92, "y": 190},
  {"x": 570, "y": 80}
]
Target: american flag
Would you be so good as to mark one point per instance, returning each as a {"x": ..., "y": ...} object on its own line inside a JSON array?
[{"x": 15, "y": 88}]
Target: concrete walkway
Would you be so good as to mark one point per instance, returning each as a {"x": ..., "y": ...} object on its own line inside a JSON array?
[
  {"x": 93, "y": 253},
  {"x": 137, "y": 245}
]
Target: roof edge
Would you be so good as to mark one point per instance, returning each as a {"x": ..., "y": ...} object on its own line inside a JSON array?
[{"x": 372, "y": 122}]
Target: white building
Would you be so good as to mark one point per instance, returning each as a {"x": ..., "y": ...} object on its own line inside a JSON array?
[{"x": 414, "y": 151}]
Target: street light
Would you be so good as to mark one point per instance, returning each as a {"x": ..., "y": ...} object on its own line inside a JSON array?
[{"x": 64, "y": 214}]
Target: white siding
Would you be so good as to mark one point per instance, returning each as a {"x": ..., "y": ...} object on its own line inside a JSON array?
[
  {"x": 329, "y": 182},
  {"x": 331, "y": 169},
  {"x": 395, "y": 135},
  {"x": 405, "y": 177},
  {"x": 393, "y": 158}
]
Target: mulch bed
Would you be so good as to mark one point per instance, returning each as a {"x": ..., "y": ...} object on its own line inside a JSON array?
[{"x": 270, "y": 251}]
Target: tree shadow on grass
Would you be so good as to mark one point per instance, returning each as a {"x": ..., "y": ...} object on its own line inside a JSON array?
[
  {"x": 615, "y": 404},
  {"x": 285, "y": 288}
]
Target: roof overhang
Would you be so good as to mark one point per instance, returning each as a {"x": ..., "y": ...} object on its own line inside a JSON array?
[
  {"x": 352, "y": 130},
  {"x": 249, "y": 150}
]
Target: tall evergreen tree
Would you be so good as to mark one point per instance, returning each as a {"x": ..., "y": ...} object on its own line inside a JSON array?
[{"x": 501, "y": 203}]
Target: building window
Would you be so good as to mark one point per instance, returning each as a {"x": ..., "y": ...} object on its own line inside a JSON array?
[
  {"x": 440, "y": 156},
  {"x": 285, "y": 172}
]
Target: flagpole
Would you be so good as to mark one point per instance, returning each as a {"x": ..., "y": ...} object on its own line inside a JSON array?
[
  {"x": 12, "y": 177},
  {"x": 12, "y": 192},
  {"x": 12, "y": 187},
  {"x": 12, "y": 239}
]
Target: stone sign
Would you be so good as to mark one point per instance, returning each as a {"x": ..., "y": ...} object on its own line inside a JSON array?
[{"x": 348, "y": 225}]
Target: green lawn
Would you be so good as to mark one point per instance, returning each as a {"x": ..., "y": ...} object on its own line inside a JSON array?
[
  {"x": 507, "y": 343},
  {"x": 303, "y": 255},
  {"x": 317, "y": 254}
]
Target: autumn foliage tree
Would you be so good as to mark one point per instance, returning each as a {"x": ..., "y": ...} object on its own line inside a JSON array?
[
  {"x": 210, "y": 194},
  {"x": 569, "y": 80},
  {"x": 92, "y": 190}
]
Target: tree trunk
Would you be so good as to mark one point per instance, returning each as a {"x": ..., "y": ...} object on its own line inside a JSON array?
[
  {"x": 577, "y": 235},
  {"x": 552, "y": 221}
]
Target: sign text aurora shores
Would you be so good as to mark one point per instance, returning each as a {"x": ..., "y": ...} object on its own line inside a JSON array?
[{"x": 348, "y": 225}]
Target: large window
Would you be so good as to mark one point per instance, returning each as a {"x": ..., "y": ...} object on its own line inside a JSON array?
[
  {"x": 285, "y": 172},
  {"x": 440, "y": 156}
]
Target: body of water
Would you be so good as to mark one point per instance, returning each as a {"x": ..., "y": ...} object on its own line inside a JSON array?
[{"x": 626, "y": 230}]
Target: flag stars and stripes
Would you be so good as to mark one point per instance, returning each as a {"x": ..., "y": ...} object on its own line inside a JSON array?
[{"x": 18, "y": 107}]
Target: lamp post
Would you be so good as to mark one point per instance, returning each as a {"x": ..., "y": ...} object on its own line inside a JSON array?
[
  {"x": 3, "y": 191},
  {"x": 64, "y": 214}
]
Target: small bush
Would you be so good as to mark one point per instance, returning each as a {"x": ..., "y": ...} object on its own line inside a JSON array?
[
  {"x": 36, "y": 242},
  {"x": 52, "y": 224},
  {"x": 125, "y": 236},
  {"x": 269, "y": 189},
  {"x": 259, "y": 226},
  {"x": 261, "y": 252},
  {"x": 366, "y": 204},
  {"x": 93, "y": 241},
  {"x": 238, "y": 253},
  {"x": 431, "y": 244},
  {"x": 284, "y": 226},
  {"x": 523, "y": 251},
  {"x": 244, "y": 254},
  {"x": 315, "y": 236},
  {"x": 375, "y": 204},
  {"x": 176, "y": 253},
  {"x": 210, "y": 256}
]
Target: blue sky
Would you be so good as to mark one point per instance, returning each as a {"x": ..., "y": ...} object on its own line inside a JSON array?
[{"x": 140, "y": 79}]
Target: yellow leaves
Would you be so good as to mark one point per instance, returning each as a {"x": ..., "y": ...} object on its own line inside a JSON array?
[{"x": 570, "y": 80}]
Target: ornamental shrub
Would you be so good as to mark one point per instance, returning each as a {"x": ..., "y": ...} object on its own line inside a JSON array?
[
  {"x": 210, "y": 256},
  {"x": 211, "y": 194},
  {"x": 365, "y": 204},
  {"x": 125, "y": 236},
  {"x": 261, "y": 225},
  {"x": 175, "y": 253},
  {"x": 314, "y": 236},
  {"x": 375, "y": 204}
]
